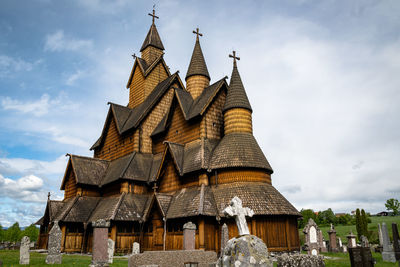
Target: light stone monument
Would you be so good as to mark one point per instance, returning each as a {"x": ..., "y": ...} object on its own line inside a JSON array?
[
  {"x": 224, "y": 236},
  {"x": 111, "y": 246},
  {"x": 387, "y": 253},
  {"x": 135, "y": 248},
  {"x": 245, "y": 249},
  {"x": 24, "y": 251},
  {"x": 189, "y": 236},
  {"x": 313, "y": 237},
  {"x": 351, "y": 240}
]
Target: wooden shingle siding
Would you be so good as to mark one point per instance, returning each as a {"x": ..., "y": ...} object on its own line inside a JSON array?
[
  {"x": 170, "y": 180},
  {"x": 212, "y": 123},
  {"x": 157, "y": 75},
  {"x": 115, "y": 145},
  {"x": 240, "y": 175},
  {"x": 153, "y": 119},
  {"x": 238, "y": 120},
  {"x": 136, "y": 90},
  {"x": 70, "y": 186},
  {"x": 182, "y": 131},
  {"x": 195, "y": 85},
  {"x": 150, "y": 54}
]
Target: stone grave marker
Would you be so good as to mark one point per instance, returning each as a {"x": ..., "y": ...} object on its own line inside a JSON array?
[
  {"x": 100, "y": 243},
  {"x": 361, "y": 257},
  {"x": 332, "y": 240},
  {"x": 351, "y": 240},
  {"x": 135, "y": 248},
  {"x": 396, "y": 241},
  {"x": 224, "y": 236},
  {"x": 24, "y": 250},
  {"x": 54, "y": 245},
  {"x": 110, "y": 250},
  {"x": 235, "y": 209},
  {"x": 387, "y": 253},
  {"x": 380, "y": 235},
  {"x": 364, "y": 242},
  {"x": 189, "y": 236},
  {"x": 300, "y": 260},
  {"x": 312, "y": 235}
]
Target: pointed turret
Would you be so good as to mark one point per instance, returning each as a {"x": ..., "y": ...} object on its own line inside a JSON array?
[
  {"x": 237, "y": 109},
  {"x": 197, "y": 76},
  {"x": 152, "y": 46}
]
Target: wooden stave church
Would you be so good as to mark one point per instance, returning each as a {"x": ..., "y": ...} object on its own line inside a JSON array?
[{"x": 174, "y": 154}]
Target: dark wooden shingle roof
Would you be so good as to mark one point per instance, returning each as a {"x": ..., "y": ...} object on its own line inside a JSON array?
[
  {"x": 239, "y": 150},
  {"x": 152, "y": 39},
  {"x": 236, "y": 97},
  {"x": 197, "y": 64}
]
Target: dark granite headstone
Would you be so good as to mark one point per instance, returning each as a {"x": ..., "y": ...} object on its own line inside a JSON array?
[
  {"x": 396, "y": 241},
  {"x": 332, "y": 240},
  {"x": 100, "y": 243},
  {"x": 361, "y": 257}
]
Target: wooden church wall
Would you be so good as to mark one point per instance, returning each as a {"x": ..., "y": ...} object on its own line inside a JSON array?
[
  {"x": 240, "y": 175},
  {"x": 70, "y": 185},
  {"x": 111, "y": 189},
  {"x": 116, "y": 146},
  {"x": 182, "y": 131},
  {"x": 153, "y": 119},
  {"x": 212, "y": 124},
  {"x": 157, "y": 75},
  {"x": 136, "y": 92}
]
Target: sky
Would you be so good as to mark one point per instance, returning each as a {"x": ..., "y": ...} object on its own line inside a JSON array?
[{"x": 323, "y": 79}]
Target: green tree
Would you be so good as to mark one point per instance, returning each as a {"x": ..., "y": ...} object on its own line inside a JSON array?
[
  {"x": 307, "y": 214},
  {"x": 13, "y": 233},
  {"x": 31, "y": 231},
  {"x": 345, "y": 219},
  {"x": 393, "y": 205},
  {"x": 1, "y": 233},
  {"x": 327, "y": 217},
  {"x": 364, "y": 221},
  {"x": 358, "y": 223}
]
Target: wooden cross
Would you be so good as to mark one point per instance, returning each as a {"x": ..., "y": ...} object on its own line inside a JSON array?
[
  {"x": 134, "y": 56},
  {"x": 48, "y": 196},
  {"x": 197, "y": 33},
  {"x": 154, "y": 14},
  {"x": 234, "y": 57},
  {"x": 155, "y": 188}
]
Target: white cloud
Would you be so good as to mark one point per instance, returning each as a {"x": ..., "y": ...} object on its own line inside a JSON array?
[
  {"x": 10, "y": 65},
  {"x": 74, "y": 77},
  {"x": 27, "y": 188},
  {"x": 57, "y": 42},
  {"x": 37, "y": 108}
]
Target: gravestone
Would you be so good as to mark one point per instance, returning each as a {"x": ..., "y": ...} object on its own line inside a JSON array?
[
  {"x": 300, "y": 260},
  {"x": 189, "y": 236},
  {"x": 332, "y": 240},
  {"x": 361, "y": 257},
  {"x": 100, "y": 243},
  {"x": 321, "y": 242},
  {"x": 24, "y": 250},
  {"x": 364, "y": 242},
  {"x": 54, "y": 245},
  {"x": 110, "y": 250},
  {"x": 235, "y": 209},
  {"x": 380, "y": 235},
  {"x": 387, "y": 253},
  {"x": 224, "y": 236},
  {"x": 396, "y": 241},
  {"x": 312, "y": 235},
  {"x": 351, "y": 240},
  {"x": 135, "y": 248},
  {"x": 246, "y": 249}
]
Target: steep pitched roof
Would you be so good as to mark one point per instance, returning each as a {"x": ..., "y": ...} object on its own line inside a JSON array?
[
  {"x": 87, "y": 170},
  {"x": 82, "y": 209},
  {"x": 145, "y": 68},
  {"x": 106, "y": 208},
  {"x": 262, "y": 198},
  {"x": 152, "y": 39},
  {"x": 132, "y": 208},
  {"x": 192, "y": 202},
  {"x": 197, "y": 64},
  {"x": 238, "y": 150},
  {"x": 236, "y": 97}
]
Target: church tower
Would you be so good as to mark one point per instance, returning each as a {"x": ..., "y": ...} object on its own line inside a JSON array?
[
  {"x": 152, "y": 47},
  {"x": 237, "y": 109},
  {"x": 197, "y": 77}
]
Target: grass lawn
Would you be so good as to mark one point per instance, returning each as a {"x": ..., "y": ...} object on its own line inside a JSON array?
[
  {"x": 11, "y": 258},
  {"x": 343, "y": 260}
]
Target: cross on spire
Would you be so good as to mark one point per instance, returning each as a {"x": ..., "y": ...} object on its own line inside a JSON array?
[
  {"x": 154, "y": 14},
  {"x": 155, "y": 188},
  {"x": 48, "y": 196},
  {"x": 197, "y": 34},
  {"x": 234, "y": 57}
]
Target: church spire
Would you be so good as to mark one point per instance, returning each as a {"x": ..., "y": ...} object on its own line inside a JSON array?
[
  {"x": 197, "y": 64},
  {"x": 153, "y": 38},
  {"x": 236, "y": 97}
]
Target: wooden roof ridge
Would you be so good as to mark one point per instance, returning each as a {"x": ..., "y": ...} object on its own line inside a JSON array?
[
  {"x": 147, "y": 207},
  {"x": 236, "y": 97},
  {"x": 145, "y": 68},
  {"x": 197, "y": 65},
  {"x": 68, "y": 208},
  {"x": 177, "y": 153},
  {"x": 133, "y": 154},
  {"x": 152, "y": 39},
  {"x": 116, "y": 208},
  {"x": 201, "y": 201}
]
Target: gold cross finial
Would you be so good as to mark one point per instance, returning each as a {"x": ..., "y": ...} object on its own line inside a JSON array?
[
  {"x": 234, "y": 57},
  {"x": 197, "y": 33},
  {"x": 154, "y": 14}
]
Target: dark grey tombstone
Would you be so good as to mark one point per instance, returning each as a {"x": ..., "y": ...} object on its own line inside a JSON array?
[
  {"x": 100, "y": 243},
  {"x": 361, "y": 257},
  {"x": 396, "y": 241},
  {"x": 54, "y": 245}
]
